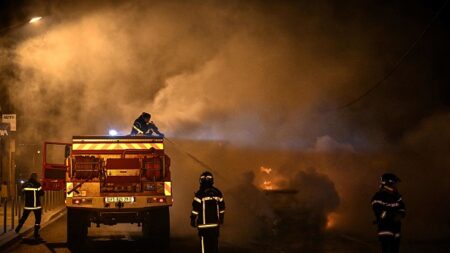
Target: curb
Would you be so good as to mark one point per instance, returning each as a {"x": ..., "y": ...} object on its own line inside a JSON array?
[{"x": 17, "y": 237}]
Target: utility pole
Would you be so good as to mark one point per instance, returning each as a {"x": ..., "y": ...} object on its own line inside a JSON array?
[
  {"x": 12, "y": 166},
  {"x": 10, "y": 147},
  {"x": 2, "y": 151}
]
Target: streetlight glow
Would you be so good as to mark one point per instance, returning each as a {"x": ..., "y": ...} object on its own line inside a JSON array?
[
  {"x": 112, "y": 132},
  {"x": 34, "y": 20}
]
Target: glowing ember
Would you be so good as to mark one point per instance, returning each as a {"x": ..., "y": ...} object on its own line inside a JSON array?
[
  {"x": 267, "y": 185},
  {"x": 331, "y": 220},
  {"x": 265, "y": 170},
  {"x": 267, "y": 178}
]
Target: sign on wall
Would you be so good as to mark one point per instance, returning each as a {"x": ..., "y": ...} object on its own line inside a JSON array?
[
  {"x": 11, "y": 119},
  {"x": 4, "y": 127}
]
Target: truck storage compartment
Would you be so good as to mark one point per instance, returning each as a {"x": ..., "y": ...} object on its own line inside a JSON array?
[
  {"x": 86, "y": 167},
  {"x": 122, "y": 175},
  {"x": 152, "y": 168},
  {"x": 123, "y": 170}
]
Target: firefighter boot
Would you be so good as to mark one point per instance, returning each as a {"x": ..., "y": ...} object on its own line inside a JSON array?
[{"x": 37, "y": 237}]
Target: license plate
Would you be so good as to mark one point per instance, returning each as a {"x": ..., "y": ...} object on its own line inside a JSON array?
[{"x": 119, "y": 199}]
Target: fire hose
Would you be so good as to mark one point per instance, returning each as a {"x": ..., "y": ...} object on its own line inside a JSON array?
[{"x": 193, "y": 157}]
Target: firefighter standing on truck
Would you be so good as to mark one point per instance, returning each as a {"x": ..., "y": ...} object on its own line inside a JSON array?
[
  {"x": 143, "y": 125},
  {"x": 32, "y": 191},
  {"x": 389, "y": 210},
  {"x": 208, "y": 211}
]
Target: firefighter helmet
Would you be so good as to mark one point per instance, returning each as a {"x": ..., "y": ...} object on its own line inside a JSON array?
[
  {"x": 146, "y": 115},
  {"x": 389, "y": 179},
  {"x": 33, "y": 177},
  {"x": 206, "y": 179}
]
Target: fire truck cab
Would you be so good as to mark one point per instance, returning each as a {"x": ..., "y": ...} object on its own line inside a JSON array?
[{"x": 110, "y": 180}]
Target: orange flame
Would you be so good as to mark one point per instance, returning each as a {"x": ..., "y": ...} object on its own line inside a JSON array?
[
  {"x": 265, "y": 170},
  {"x": 267, "y": 185},
  {"x": 331, "y": 221}
]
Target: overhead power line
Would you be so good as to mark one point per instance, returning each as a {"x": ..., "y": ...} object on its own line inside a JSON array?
[{"x": 399, "y": 61}]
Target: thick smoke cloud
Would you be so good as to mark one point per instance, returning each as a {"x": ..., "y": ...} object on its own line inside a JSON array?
[
  {"x": 261, "y": 80},
  {"x": 235, "y": 72}
]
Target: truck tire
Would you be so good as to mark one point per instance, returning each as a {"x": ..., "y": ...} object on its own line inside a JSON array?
[
  {"x": 77, "y": 228},
  {"x": 156, "y": 229}
]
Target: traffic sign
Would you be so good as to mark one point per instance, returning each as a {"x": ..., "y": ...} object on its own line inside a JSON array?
[{"x": 11, "y": 119}]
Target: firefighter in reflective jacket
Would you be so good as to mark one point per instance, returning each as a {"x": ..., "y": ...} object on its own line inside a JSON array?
[
  {"x": 389, "y": 210},
  {"x": 32, "y": 191},
  {"x": 208, "y": 211},
  {"x": 143, "y": 125}
]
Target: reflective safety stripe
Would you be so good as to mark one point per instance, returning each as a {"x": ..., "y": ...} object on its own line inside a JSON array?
[
  {"x": 32, "y": 189},
  {"x": 197, "y": 199},
  {"x": 194, "y": 212},
  {"x": 211, "y": 198},
  {"x": 217, "y": 208},
  {"x": 69, "y": 187},
  {"x": 385, "y": 233},
  {"x": 204, "y": 210},
  {"x": 384, "y": 203},
  {"x": 203, "y": 245},
  {"x": 167, "y": 188},
  {"x": 208, "y": 226},
  {"x": 117, "y": 146},
  {"x": 137, "y": 129},
  {"x": 223, "y": 211},
  {"x": 32, "y": 208}
]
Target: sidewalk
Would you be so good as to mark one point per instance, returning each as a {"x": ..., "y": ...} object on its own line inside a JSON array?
[{"x": 50, "y": 215}]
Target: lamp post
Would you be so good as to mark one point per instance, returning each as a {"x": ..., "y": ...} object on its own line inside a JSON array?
[
  {"x": 8, "y": 143},
  {"x": 33, "y": 20}
]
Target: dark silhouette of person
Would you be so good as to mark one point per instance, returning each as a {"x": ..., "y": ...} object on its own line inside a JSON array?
[
  {"x": 142, "y": 125},
  {"x": 389, "y": 210},
  {"x": 208, "y": 213},
  {"x": 32, "y": 191}
]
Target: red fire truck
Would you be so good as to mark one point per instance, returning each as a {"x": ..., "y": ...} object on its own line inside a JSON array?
[{"x": 110, "y": 180}]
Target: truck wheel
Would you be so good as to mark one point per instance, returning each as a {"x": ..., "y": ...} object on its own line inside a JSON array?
[
  {"x": 77, "y": 228},
  {"x": 156, "y": 228}
]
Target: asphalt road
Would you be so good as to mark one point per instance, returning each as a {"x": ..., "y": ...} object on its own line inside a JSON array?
[
  {"x": 127, "y": 239},
  {"x": 121, "y": 238}
]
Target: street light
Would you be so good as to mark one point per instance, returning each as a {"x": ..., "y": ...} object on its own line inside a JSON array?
[{"x": 35, "y": 19}]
